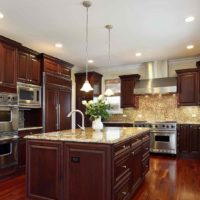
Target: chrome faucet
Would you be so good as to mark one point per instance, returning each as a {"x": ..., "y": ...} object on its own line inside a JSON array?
[{"x": 83, "y": 119}]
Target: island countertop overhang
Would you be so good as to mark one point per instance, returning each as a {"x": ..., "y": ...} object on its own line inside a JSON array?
[{"x": 109, "y": 135}]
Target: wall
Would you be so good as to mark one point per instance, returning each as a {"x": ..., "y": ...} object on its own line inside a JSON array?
[{"x": 159, "y": 108}]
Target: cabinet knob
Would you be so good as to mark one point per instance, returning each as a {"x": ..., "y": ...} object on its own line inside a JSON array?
[
  {"x": 1, "y": 82},
  {"x": 147, "y": 148},
  {"x": 124, "y": 166},
  {"x": 31, "y": 133},
  {"x": 124, "y": 193},
  {"x": 124, "y": 146},
  {"x": 133, "y": 153}
]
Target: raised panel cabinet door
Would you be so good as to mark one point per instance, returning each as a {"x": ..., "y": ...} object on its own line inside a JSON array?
[
  {"x": 44, "y": 170},
  {"x": 35, "y": 70},
  {"x": 195, "y": 139},
  {"x": 51, "y": 109},
  {"x": 184, "y": 139},
  {"x": 64, "y": 109},
  {"x": 50, "y": 66},
  {"x": 22, "y": 68},
  {"x": 188, "y": 88},
  {"x": 8, "y": 64},
  {"x": 87, "y": 173}
]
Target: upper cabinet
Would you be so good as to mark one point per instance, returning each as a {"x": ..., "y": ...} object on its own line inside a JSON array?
[
  {"x": 29, "y": 66},
  {"x": 128, "y": 99},
  {"x": 188, "y": 87},
  {"x": 95, "y": 81},
  {"x": 56, "y": 66},
  {"x": 8, "y": 62}
]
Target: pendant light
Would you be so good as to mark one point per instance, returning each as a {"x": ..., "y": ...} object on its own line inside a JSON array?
[
  {"x": 86, "y": 86},
  {"x": 108, "y": 91}
]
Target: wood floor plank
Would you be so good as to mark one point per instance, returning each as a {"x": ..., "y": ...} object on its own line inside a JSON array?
[{"x": 168, "y": 179}]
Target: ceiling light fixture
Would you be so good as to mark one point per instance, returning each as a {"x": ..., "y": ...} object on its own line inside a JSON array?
[
  {"x": 58, "y": 45},
  {"x": 1, "y": 15},
  {"x": 108, "y": 91},
  {"x": 189, "y": 19},
  {"x": 138, "y": 54},
  {"x": 86, "y": 86},
  {"x": 90, "y": 61},
  {"x": 190, "y": 46}
]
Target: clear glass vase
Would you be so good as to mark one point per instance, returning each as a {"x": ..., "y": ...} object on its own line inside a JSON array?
[{"x": 97, "y": 124}]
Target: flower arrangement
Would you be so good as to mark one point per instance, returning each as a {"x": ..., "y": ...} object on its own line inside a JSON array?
[{"x": 97, "y": 109}]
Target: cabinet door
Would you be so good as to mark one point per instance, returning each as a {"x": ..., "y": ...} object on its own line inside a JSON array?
[
  {"x": 23, "y": 60},
  {"x": 51, "y": 109},
  {"x": 184, "y": 139},
  {"x": 34, "y": 70},
  {"x": 195, "y": 139},
  {"x": 64, "y": 109},
  {"x": 8, "y": 65},
  {"x": 87, "y": 174},
  {"x": 50, "y": 66},
  {"x": 44, "y": 170},
  {"x": 188, "y": 89}
]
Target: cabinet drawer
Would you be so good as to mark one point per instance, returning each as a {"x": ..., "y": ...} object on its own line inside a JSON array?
[
  {"x": 146, "y": 138},
  {"x": 123, "y": 192},
  {"x": 121, "y": 148},
  {"x": 136, "y": 142},
  {"x": 121, "y": 168},
  {"x": 145, "y": 148},
  {"x": 145, "y": 166}
]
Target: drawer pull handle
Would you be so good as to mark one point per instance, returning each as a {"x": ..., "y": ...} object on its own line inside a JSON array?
[
  {"x": 124, "y": 193},
  {"x": 124, "y": 166},
  {"x": 124, "y": 146},
  {"x": 133, "y": 153}
]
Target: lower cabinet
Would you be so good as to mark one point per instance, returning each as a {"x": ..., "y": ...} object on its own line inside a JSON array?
[
  {"x": 22, "y": 146},
  {"x": 89, "y": 171},
  {"x": 189, "y": 140}
]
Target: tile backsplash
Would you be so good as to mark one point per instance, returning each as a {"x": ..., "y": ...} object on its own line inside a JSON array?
[{"x": 159, "y": 108}]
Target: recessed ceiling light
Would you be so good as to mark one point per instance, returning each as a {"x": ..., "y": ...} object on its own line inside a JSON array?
[
  {"x": 189, "y": 19},
  {"x": 1, "y": 15},
  {"x": 90, "y": 61},
  {"x": 190, "y": 46},
  {"x": 138, "y": 54},
  {"x": 58, "y": 45}
]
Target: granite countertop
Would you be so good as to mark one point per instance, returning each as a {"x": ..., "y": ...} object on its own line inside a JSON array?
[{"x": 109, "y": 135}]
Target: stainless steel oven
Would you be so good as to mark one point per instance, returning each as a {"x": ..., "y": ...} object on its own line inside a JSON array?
[
  {"x": 8, "y": 150},
  {"x": 29, "y": 96},
  {"x": 8, "y": 129},
  {"x": 163, "y": 138}
]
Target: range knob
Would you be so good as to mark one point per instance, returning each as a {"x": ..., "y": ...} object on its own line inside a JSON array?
[
  {"x": 150, "y": 125},
  {"x": 172, "y": 126},
  {"x": 156, "y": 126},
  {"x": 167, "y": 126},
  {"x": 163, "y": 126}
]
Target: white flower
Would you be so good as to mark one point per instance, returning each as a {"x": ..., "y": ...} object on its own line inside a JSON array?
[
  {"x": 90, "y": 102},
  {"x": 100, "y": 97},
  {"x": 84, "y": 102}
]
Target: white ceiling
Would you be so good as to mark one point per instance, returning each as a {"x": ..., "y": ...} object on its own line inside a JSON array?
[{"x": 156, "y": 28}]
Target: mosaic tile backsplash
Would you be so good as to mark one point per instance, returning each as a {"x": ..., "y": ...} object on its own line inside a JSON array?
[{"x": 159, "y": 108}]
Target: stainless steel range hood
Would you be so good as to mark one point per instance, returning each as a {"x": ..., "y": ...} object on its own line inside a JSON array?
[{"x": 156, "y": 80}]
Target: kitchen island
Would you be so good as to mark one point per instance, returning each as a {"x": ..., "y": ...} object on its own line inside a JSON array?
[{"x": 75, "y": 165}]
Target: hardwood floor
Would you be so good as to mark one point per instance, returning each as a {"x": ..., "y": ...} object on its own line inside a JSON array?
[
  {"x": 171, "y": 179},
  {"x": 168, "y": 179}
]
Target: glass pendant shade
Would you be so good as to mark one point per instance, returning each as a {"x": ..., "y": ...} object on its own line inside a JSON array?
[{"x": 86, "y": 86}]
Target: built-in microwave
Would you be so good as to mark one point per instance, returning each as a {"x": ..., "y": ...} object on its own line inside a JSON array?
[{"x": 29, "y": 96}]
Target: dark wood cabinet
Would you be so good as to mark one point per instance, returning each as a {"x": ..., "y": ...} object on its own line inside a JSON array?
[
  {"x": 95, "y": 81},
  {"x": 189, "y": 140},
  {"x": 128, "y": 99},
  {"x": 188, "y": 87},
  {"x": 8, "y": 62},
  {"x": 29, "y": 66},
  {"x": 44, "y": 170},
  {"x": 57, "y": 103},
  {"x": 88, "y": 171},
  {"x": 22, "y": 146},
  {"x": 56, "y": 66},
  {"x": 115, "y": 124}
]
